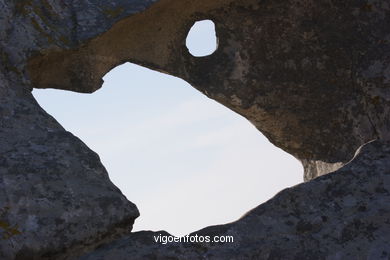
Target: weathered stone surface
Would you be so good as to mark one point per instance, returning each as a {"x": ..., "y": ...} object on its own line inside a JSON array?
[
  {"x": 54, "y": 193},
  {"x": 343, "y": 215},
  {"x": 55, "y": 196},
  {"x": 313, "y": 76}
]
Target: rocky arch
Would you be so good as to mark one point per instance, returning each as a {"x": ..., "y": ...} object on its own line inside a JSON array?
[
  {"x": 295, "y": 69},
  {"x": 312, "y": 76}
]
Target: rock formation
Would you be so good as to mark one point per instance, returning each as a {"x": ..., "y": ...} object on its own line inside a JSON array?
[{"x": 313, "y": 76}]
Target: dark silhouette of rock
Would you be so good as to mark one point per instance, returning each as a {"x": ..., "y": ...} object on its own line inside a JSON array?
[{"x": 313, "y": 76}]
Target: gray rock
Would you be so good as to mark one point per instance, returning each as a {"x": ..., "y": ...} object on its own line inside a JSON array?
[
  {"x": 313, "y": 76},
  {"x": 56, "y": 198},
  {"x": 54, "y": 193}
]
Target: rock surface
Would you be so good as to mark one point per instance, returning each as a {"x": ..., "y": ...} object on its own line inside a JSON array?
[
  {"x": 55, "y": 196},
  {"x": 313, "y": 76},
  {"x": 54, "y": 192}
]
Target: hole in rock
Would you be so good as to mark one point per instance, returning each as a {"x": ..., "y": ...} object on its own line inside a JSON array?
[
  {"x": 202, "y": 40},
  {"x": 186, "y": 161}
]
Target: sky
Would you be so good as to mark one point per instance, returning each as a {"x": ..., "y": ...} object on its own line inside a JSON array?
[{"x": 186, "y": 161}]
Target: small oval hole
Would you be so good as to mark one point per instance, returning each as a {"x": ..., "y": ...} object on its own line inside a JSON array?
[{"x": 202, "y": 39}]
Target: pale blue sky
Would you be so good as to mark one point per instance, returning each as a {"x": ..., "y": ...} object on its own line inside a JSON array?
[{"x": 186, "y": 161}]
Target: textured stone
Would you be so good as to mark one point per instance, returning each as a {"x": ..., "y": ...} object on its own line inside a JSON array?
[
  {"x": 54, "y": 193},
  {"x": 55, "y": 196},
  {"x": 313, "y": 76}
]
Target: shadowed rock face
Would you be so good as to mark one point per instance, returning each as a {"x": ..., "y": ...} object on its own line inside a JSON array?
[
  {"x": 313, "y": 76},
  {"x": 55, "y": 196}
]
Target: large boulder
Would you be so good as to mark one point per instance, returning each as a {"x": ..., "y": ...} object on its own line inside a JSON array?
[{"x": 55, "y": 195}]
